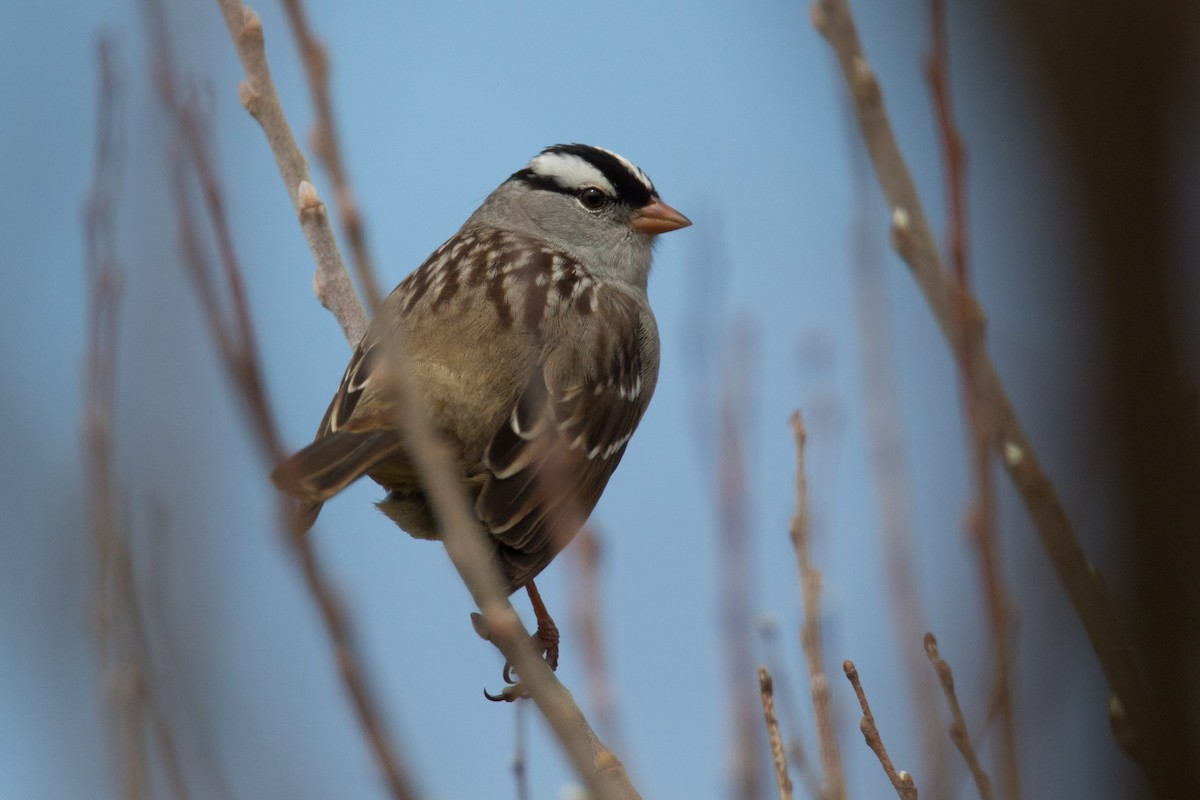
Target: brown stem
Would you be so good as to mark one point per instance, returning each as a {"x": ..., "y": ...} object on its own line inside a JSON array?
[
  {"x": 778, "y": 756},
  {"x": 902, "y": 782},
  {"x": 834, "y": 787},
  {"x": 982, "y": 515},
  {"x": 258, "y": 94},
  {"x": 325, "y": 142},
  {"x": 958, "y": 726}
]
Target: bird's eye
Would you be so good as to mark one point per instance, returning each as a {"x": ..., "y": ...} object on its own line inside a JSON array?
[{"x": 592, "y": 198}]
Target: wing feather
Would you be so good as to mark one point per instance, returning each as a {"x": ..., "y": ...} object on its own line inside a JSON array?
[{"x": 547, "y": 465}]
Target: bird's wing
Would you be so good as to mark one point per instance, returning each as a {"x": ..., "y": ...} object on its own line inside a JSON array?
[
  {"x": 548, "y": 463},
  {"x": 341, "y": 452}
]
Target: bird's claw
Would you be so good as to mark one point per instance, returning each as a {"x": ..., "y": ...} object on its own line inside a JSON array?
[{"x": 546, "y": 643}]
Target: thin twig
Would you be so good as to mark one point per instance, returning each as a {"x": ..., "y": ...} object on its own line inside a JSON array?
[
  {"x": 778, "y": 756},
  {"x": 915, "y": 243},
  {"x": 120, "y": 634},
  {"x": 794, "y": 744},
  {"x": 259, "y": 96},
  {"x": 121, "y": 671},
  {"x": 520, "y": 752},
  {"x": 958, "y": 725},
  {"x": 902, "y": 782},
  {"x": 325, "y": 144},
  {"x": 735, "y": 571},
  {"x": 834, "y": 782},
  {"x": 982, "y": 516},
  {"x": 586, "y": 609}
]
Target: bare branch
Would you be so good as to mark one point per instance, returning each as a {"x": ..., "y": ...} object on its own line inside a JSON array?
[
  {"x": 735, "y": 569},
  {"x": 794, "y": 745},
  {"x": 902, "y": 782},
  {"x": 834, "y": 787},
  {"x": 958, "y": 726},
  {"x": 778, "y": 757},
  {"x": 121, "y": 671},
  {"x": 121, "y": 644},
  {"x": 915, "y": 243},
  {"x": 259, "y": 96},
  {"x": 981, "y": 518},
  {"x": 520, "y": 752},
  {"x": 586, "y": 613},
  {"x": 329, "y": 153}
]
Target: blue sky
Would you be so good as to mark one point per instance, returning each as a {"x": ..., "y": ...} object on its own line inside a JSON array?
[{"x": 737, "y": 115}]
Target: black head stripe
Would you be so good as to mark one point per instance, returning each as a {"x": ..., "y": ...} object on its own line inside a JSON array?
[{"x": 632, "y": 185}]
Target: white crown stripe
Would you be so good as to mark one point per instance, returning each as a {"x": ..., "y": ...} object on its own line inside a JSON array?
[{"x": 570, "y": 172}]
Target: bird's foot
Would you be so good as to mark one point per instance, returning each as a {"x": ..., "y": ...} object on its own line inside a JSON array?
[{"x": 545, "y": 642}]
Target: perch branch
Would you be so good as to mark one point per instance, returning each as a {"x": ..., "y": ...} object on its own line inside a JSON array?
[{"x": 600, "y": 769}]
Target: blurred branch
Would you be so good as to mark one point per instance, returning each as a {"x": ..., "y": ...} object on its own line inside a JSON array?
[
  {"x": 325, "y": 144},
  {"x": 778, "y": 757},
  {"x": 914, "y": 241},
  {"x": 120, "y": 637},
  {"x": 958, "y": 727},
  {"x": 735, "y": 569},
  {"x": 902, "y": 782},
  {"x": 259, "y": 96},
  {"x": 834, "y": 785},
  {"x": 586, "y": 613},
  {"x": 112, "y": 591},
  {"x": 981, "y": 518},
  {"x": 782, "y": 698},
  {"x": 520, "y": 753}
]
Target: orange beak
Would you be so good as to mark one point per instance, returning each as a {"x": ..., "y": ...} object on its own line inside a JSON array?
[{"x": 658, "y": 217}]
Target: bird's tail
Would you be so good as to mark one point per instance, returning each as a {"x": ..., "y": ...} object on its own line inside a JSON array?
[{"x": 330, "y": 464}]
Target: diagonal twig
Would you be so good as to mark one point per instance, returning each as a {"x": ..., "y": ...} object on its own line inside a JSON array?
[
  {"x": 259, "y": 96},
  {"x": 902, "y": 782},
  {"x": 325, "y": 143},
  {"x": 958, "y": 727},
  {"x": 834, "y": 781},
  {"x": 778, "y": 756},
  {"x": 981, "y": 519}
]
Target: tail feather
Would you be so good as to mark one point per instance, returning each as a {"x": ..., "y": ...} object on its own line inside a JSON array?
[{"x": 331, "y": 463}]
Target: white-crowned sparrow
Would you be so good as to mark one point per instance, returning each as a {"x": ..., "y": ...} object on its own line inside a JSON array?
[{"x": 531, "y": 339}]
